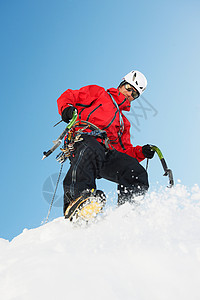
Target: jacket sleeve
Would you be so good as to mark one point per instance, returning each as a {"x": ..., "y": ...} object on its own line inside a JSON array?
[
  {"x": 136, "y": 151},
  {"x": 86, "y": 95},
  {"x": 68, "y": 98}
]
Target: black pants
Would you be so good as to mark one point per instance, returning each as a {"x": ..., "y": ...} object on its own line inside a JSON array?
[{"x": 91, "y": 160}]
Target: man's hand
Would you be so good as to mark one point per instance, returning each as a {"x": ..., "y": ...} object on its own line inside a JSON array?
[
  {"x": 148, "y": 151},
  {"x": 67, "y": 113}
]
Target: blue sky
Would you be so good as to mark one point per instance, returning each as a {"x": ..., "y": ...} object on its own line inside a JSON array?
[{"x": 50, "y": 46}]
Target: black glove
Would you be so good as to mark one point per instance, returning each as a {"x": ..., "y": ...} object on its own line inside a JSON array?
[
  {"x": 67, "y": 113},
  {"x": 148, "y": 151}
]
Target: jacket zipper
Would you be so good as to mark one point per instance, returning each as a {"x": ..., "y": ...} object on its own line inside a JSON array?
[
  {"x": 84, "y": 107},
  {"x": 93, "y": 111}
]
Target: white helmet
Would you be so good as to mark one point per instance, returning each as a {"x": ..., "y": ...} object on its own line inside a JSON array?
[{"x": 136, "y": 79}]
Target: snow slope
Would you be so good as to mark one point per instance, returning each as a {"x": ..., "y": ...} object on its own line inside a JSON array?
[{"x": 152, "y": 252}]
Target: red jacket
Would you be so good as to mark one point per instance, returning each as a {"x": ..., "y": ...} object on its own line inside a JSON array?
[{"x": 95, "y": 105}]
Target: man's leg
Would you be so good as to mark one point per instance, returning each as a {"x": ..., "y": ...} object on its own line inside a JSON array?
[
  {"x": 86, "y": 161},
  {"x": 125, "y": 170}
]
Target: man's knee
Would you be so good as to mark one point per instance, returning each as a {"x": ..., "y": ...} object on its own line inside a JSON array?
[{"x": 133, "y": 174}]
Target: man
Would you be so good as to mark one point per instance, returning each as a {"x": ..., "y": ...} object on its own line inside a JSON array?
[{"x": 109, "y": 154}]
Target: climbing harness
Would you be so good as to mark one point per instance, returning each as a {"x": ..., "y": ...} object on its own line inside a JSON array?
[{"x": 75, "y": 134}]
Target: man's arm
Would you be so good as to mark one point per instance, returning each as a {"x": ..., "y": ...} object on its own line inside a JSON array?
[
  {"x": 86, "y": 95},
  {"x": 139, "y": 152},
  {"x": 135, "y": 152},
  {"x": 67, "y": 99}
]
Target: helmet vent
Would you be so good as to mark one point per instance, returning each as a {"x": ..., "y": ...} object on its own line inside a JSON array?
[
  {"x": 136, "y": 82},
  {"x": 134, "y": 76}
]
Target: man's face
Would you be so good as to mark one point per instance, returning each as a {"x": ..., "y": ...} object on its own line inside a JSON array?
[{"x": 127, "y": 90}]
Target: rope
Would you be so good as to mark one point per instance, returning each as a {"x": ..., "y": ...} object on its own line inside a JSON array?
[
  {"x": 147, "y": 164},
  {"x": 54, "y": 193}
]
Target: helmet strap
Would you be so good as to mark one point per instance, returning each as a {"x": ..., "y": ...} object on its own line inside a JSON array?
[{"x": 122, "y": 83}]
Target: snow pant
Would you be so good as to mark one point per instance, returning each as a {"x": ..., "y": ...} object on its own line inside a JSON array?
[{"x": 91, "y": 160}]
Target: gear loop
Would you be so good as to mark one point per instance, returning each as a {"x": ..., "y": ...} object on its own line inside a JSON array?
[{"x": 74, "y": 135}]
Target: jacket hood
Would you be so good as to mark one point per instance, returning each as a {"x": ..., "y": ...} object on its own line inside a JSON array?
[{"x": 122, "y": 102}]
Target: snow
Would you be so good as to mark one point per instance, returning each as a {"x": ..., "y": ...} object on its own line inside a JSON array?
[{"x": 150, "y": 252}]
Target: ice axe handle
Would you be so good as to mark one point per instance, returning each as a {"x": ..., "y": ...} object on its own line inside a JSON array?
[{"x": 164, "y": 164}]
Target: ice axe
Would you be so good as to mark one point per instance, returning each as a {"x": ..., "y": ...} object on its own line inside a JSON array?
[
  {"x": 168, "y": 172},
  {"x": 58, "y": 141}
]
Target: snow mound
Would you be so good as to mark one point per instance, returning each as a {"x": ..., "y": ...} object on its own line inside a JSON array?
[{"x": 151, "y": 252}]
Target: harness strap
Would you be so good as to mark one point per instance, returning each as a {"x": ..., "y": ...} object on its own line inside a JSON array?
[{"x": 95, "y": 131}]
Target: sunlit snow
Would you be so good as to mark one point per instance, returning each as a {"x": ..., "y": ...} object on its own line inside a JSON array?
[{"x": 150, "y": 252}]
